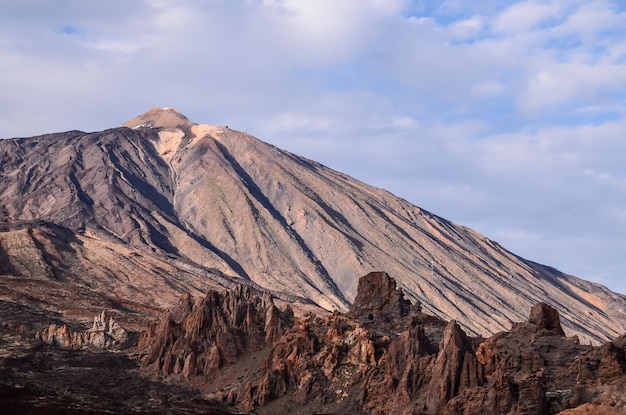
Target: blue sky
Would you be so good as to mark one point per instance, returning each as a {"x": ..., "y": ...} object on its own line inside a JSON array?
[{"x": 504, "y": 116}]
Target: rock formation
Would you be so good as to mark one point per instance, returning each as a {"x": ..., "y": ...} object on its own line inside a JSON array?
[
  {"x": 104, "y": 334},
  {"x": 198, "y": 338},
  {"x": 385, "y": 356},
  {"x": 377, "y": 292}
]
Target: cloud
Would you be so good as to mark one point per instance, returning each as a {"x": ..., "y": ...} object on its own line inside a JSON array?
[
  {"x": 525, "y": 16},
  {"x": 468, "y": 28},
  {"x": 571, "y": 83},
  {"x": 326, "y": 30}
]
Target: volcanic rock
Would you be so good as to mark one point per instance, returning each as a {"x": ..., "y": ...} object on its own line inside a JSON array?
[
  {"x": 456, "y": 368},
  {"x": 377, "y": 292},
  {"x": 214, "y": 332},
  {"x": 546, "y": 318},
  {"x": 40, "y": 379},
  {"x": 104, "y": 334},
  {"x": 395, "y": 362}
]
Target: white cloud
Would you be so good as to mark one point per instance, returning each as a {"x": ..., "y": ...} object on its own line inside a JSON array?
[
  {"x": 467, "y": 28},
  {"x": 298, "y": 122},
  {"x": 404, "y": 123},
  {"x": 326, "y": 31},
  {"x": 570, "y": 84},
  {"x": 526, "y": 15},
  {"x": 592, "y": 18}
]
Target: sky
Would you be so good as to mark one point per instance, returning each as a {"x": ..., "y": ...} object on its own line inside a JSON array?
[{"x": 508, "y": 117}]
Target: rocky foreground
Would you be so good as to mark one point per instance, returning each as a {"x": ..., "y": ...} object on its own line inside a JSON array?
[
  {"x": 235, "y": 351},
  {"x": 384, "y": 357}
]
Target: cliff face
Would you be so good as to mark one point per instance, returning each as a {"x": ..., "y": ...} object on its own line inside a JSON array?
[
  {"x": 162, "y": 204},
  {"x": 213, "y": 332},
  {"x": 385, "y": 356}
]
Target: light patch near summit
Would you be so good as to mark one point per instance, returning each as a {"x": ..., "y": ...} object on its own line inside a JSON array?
[
  {"x": 171, "y": 124},
  {"x": 202, "y": 130},
  {"x": 169, "y": 141}
]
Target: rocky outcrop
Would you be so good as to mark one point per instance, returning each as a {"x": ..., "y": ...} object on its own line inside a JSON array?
[
  {"x": 591, "y": 409},
  {"x": 369, "y": 360},
  {"x": 104, "y": 334},
  {"x": 314, "y": 363},
  {"x": 198, "y": 338},
  {"x": 377, "y": 292},
  {"x": 546, "y": 318},
  {"x": 456, "y": 369},
  {"x": 524, "y": 367},
  {"x": 385, "y": 356},
  {"x": 600, "y": 375}
]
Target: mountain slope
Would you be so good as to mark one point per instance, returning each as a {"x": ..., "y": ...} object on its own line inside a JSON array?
[{"x": 227, "y": 203}]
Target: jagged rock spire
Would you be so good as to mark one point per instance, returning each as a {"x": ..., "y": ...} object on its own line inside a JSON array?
[
  {"x": 546, "y": 317},
  {"x": 377, "y": 292}
]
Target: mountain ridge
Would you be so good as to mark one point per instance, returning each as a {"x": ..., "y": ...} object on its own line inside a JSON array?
[{"x": 234, "y": 208}]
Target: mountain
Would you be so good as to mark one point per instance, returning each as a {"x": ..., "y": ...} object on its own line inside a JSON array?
[{"x": 132, "y": 217}]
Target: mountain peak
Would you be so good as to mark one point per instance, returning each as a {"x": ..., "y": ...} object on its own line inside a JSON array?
[{"x": 156, "y": 117}]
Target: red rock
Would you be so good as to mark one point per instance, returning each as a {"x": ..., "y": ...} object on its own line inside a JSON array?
[
  {"x": 456, "y": 369},
  {"x": 546, "y": 317},
  {"x": 213, "y": 332},
  {"x": 384, "y": 357},
  {"x": 377, "y": 292}
]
